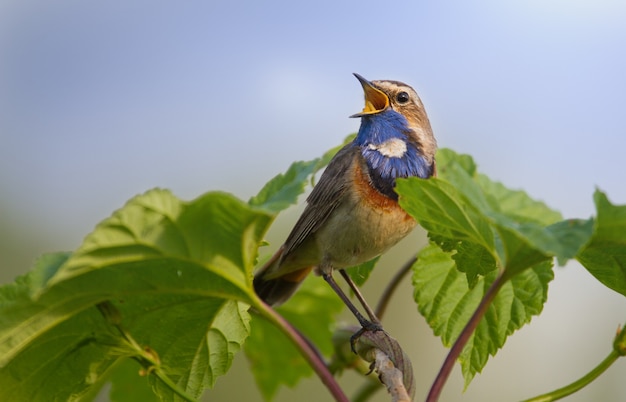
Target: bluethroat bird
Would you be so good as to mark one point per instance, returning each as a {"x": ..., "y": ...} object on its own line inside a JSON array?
[{"x": 352, "y": 214}]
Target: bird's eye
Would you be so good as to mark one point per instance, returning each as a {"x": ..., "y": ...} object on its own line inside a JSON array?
[{"x": 402, "y": 97}]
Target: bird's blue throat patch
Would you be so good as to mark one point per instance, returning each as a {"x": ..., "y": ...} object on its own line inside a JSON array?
[{"x": 388, "y": 151}]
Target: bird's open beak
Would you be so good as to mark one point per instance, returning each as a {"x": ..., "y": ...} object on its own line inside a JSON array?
[{"x": 375, "y": 100}]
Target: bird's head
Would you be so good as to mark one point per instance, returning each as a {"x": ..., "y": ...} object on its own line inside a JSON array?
[{"x": 384, "y": 98}]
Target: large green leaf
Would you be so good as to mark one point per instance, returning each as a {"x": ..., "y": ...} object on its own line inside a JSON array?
[
  {"x": 176, "y": 271},
  {"x": 605, "y": 254},
  {"x": 447, "y": 302},
  {"x": 445, "y": 212},
  {"x": 490, "y": 196}
]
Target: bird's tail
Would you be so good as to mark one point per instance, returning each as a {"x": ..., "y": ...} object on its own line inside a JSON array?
[{"x": 274, "y": 288}]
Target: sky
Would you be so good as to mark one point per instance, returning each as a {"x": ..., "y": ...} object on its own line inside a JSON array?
[{"x": 100, "y": 102}]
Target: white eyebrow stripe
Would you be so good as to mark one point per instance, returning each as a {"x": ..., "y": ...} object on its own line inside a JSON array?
[{"x": 392, "y": 148}]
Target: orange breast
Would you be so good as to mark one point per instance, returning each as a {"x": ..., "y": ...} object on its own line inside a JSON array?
[{"x": 372, "y": 197}]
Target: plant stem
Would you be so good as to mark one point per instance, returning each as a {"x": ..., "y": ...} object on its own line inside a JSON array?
[
  {"x": 312, "y": 357},
  {"x": 461, "y": 341},
  {"x": 619, "y": 350},
  {"x": 171, "y": 385},
  {"x": 578, "y": 384},
  {"x": 391, "y": 287}
]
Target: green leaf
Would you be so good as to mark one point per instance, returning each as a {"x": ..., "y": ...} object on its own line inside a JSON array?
[
  {"x": 68, "y": 363},
  {"x": 474, "y": 261},
  {"x": 64, "y": 365},
  {"x": 447, "y": 157},
  {"x": 273, "y": 358},
  {"x": 445, "y": 212},
  {"x": 330, "y": 154},
  {"x": 487, "y": 224},
  {"x": 516, "y": 204},
  {"x": 490, "y": 196},
  {"x": 213, "y": 331},
  {"x": 572, "y": 235},
  {"x": 525, "y": 245},
  {"x": 178, "y": 272},
  {"x": 284, "y": 189},
  {"x": 215, "y": 236},
  {"x": 447, "y": 302},
  {"x": 604, "y": 256}
]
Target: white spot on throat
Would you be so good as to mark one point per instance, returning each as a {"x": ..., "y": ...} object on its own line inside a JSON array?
[{"x": 392, "y": 148}]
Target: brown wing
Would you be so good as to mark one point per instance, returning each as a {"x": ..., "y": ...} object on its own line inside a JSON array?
[{"x": 325, "y": 197}]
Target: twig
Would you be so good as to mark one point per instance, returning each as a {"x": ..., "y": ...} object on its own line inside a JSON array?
[
  {"x": 390, "y": 376},
  {"x": 390, "y": 362}
]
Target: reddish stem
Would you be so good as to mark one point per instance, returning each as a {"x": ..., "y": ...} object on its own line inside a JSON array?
[
  {"x": 309, "y": 353},
  {"x": 466, "y": 333}
]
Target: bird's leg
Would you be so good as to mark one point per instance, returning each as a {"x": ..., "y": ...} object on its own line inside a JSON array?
[
  {"x": 360, "y": 297},
  {"x": 366, "y": 325},
  {"x": 331, "y": 281}
]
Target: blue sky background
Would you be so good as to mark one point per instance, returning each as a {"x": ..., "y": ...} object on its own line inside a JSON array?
[{"x": 99, "y": 102}]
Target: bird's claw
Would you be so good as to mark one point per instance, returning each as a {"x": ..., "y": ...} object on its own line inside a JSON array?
[{"x": 366, "y": 326}]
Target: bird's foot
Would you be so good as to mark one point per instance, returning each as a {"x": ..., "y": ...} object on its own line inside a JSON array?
[{"x": 366, "y": 326}]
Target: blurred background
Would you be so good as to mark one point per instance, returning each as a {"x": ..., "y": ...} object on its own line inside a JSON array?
[{"x": 100, "y": 102}]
